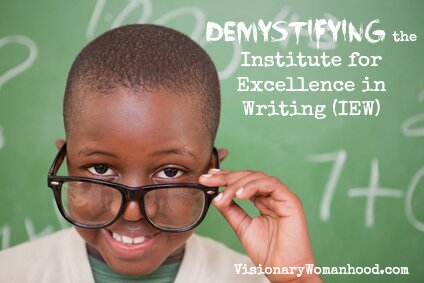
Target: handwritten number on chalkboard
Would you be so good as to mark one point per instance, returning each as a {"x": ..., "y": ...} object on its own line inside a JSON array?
[
  {"x": 95, "y": 18},
  {"x": 5, "y": 236},
  {"x": 32, "y": 235},
  {"x": 419, "y": 225},
  {"x": 1, "y": 138},
  {"x": 119, "y": 19},
  {"x": 339, "y": 158},
  {"x": 407, "y": 126},
  {"x": 197, "y": 34},
  {"x": 199, "y": 17},
  {"x": 408, "y": 131},
  {"x": 21, "y": 67},
  {"x": 132, "y": 5},
  {"x": 6, "y": 231},
  {"x": 372, "y": 192}
]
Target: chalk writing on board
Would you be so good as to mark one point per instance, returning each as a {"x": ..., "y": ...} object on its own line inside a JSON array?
[
  {"x": 5, "y": 236},
  {"x": 119, "y": 19},
  {"x": 5, "y": 230},
  {"x": 407, "y": 126},
  {"x": 419, "y": 225},
  {"x": 198, "y": 15},
  {"x": 23, "y": 66},
  {"x": 32, "y": 234},
  {"x": 339, "y": 158},
  {"x": 408, "y": 131},
  {"x": 196, "y": 34},
  {"x": 30, "y": 229},
  {"x": 373, "y": 191},
  {"x": 2, "y": 141}
]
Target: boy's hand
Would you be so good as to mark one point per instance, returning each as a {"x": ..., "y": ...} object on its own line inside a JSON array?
[{"x": 278, "y": 237}]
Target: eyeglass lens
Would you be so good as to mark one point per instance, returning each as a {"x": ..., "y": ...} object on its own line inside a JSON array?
[{"x": 96, "y": 204}]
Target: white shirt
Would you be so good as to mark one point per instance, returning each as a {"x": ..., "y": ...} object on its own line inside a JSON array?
[{"x": 62, "y": 257}]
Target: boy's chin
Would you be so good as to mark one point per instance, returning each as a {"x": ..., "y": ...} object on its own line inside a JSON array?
[
  {"x": 134, "y": 260},
  {"x": 145, "y": 265},
  {"x": 133, "y": 268}
]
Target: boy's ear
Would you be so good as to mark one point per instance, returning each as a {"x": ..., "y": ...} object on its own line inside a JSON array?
[
  {"x": 223, "y": 153},
  {"x": 59, "y": 143}
]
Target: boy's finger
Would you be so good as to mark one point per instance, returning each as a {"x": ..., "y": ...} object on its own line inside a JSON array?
[
  {"x": 232, "y": 182},
  {"x": 276, "y": 192},
  {"x": 220, "y": 177},
  {"x": 238, "y": 219},
  {"x": 239, "y": 183},
  {"x": 268, "y": 185},
  {"x": 215, "y": 171},
  {"x": 232, "y": 189}
]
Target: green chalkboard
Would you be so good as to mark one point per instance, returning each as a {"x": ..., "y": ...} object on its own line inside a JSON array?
[{"x": 361, "y": 178}]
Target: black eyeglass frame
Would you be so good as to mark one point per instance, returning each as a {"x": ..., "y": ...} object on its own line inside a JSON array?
[{"x": 55, "y": 183}]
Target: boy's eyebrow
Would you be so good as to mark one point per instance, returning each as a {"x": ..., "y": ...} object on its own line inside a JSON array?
[
  {"x": 91, "y": 151},
  {"x": 179, "y": 150}
]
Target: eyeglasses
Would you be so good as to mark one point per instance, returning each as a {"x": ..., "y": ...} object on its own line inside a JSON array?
[{"x": 93, "y": 203}]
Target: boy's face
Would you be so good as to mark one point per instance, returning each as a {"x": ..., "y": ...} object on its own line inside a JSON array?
[{"x": 134, "y": 140}]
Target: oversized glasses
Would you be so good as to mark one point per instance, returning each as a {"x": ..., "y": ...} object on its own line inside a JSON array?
[{"x": 93, "y": 203}]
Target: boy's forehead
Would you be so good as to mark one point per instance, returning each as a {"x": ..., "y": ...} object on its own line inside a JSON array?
[{"x": 154, "y": 117}]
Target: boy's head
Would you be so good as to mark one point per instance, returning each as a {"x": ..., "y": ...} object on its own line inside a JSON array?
[
  {"x": 141, "y": 107},
  {"x": 140, "y": 59}
]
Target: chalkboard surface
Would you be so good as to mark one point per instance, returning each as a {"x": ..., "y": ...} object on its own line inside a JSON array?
[{"x": 361, "y": 179}]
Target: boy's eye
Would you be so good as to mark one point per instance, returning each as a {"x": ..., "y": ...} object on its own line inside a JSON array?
[
  {"x": 170, "y": 172},
  {"x": 100, "y": 169}
]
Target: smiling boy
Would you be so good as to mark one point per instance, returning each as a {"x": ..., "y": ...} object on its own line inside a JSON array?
[{"x": 141, "y": 112}]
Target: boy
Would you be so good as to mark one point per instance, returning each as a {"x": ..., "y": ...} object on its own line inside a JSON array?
[{"x": 141, "y": 109}]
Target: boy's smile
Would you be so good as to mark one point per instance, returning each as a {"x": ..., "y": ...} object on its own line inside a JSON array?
[{"x": 136, "y": 140}]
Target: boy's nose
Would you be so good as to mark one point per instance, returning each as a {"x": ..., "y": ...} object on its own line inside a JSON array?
[{"x": 132, "y": 211}]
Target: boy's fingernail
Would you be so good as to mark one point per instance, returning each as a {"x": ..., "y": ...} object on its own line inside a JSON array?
[
  {"x": 239, "y": 192},
  {"x": 214, "y": 170},
  {"x": 218, "y": 197},
  {"x": 207, "y": 175}
]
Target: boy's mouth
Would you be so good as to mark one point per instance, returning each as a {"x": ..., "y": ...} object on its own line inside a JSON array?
[
  {"x": 130, "y": 244},
  {"x": 131, "y": 240}
]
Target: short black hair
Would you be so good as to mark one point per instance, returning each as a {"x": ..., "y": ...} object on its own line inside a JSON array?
[{"x": 142, "y": 58}]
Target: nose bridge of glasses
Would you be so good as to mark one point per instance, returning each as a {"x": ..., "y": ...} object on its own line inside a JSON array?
[
  {"x": 131, "y": 194},
  {"x": 134, "y": 193},
  {"x": 132, "y": 184},
  {"x": 132, "y": 207},
  {"x": 133, "y": 204}
]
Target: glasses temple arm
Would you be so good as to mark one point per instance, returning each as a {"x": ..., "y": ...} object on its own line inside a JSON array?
[
  {"x": 216, "y": 154},
  {"x": 58, "y": 160}
]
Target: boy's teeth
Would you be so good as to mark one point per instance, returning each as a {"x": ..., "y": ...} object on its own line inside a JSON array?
[
  {"x": 117, "y": 237},
  {"x": 139, "y": 240},
  {"x": 128, "y": 240}
]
